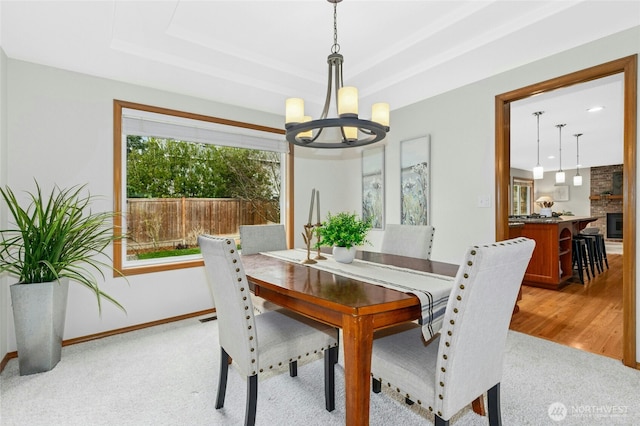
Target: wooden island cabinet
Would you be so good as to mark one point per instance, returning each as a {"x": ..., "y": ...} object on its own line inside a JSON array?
[{"x": 551, "y": 264}]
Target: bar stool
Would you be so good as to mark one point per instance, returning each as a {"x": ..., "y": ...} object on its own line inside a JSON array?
[
  {"x": 593, "y": 258},
  {"x": 579, "y": 258},
  {"x": 601, "y": 251}
]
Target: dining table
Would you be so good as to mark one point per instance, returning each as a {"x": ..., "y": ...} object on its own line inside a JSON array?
[{"x": 352, "y": 301}]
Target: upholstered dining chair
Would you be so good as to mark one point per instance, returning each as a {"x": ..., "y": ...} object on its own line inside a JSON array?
[
  {"x": 465, "y": 359},
  {"x": 257, "y": 238},
  {"x": 408, "y": 240},
  {"x": 259, "y": 343}
]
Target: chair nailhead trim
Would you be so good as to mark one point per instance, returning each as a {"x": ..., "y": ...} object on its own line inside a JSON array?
[
  {"x": 459, "y": 298},
  {"x": 430, "y": 408},
  {"x": 444, "y": 356},
  {"x": 455, "y": 310},
  {"x": 447, "y": 344},
  {"x": 440, "y": 396},
  {"x": 441, "y": 384},
  {"x": 461, "y": 286}
]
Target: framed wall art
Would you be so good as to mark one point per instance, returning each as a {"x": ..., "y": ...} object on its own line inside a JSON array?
[
  {"x": 415, "y": 190},
  {"x": 373, "y": 186},
  {"x": 561, "y": 193}
]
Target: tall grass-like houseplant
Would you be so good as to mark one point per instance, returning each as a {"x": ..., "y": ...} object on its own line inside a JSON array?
[
  {"x": 344, "y": 231},
  {"x": 56, "y": 238}
]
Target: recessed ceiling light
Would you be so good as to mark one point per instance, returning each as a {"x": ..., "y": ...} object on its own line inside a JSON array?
[
  {"x": 595, "y": 109},
  {"x": 551, "y": 157}
]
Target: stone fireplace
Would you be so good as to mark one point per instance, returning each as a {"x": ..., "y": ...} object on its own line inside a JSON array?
[{"x": 606, "y": 199}]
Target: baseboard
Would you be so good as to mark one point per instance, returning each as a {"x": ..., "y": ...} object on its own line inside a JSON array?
[{"x": 88, "y": 338}]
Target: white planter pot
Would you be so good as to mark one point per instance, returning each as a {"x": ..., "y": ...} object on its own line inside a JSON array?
[
  {"x": 39, "y": 312},
  {"x": 343, "y": 254}
]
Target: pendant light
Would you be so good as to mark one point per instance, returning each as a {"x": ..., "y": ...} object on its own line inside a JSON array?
[
  {"x": 538, "y": 170},
  {"x": 577, "y": 179},
  {"x": 560, "y": 173}
]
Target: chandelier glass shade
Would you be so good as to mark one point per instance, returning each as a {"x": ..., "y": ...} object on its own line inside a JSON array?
[
  {"x": 349, "y": 130},
  {"x": 560, "y": 174},
  {"x": 538, "y": 170},
  {"x": 577, "y": 179}
]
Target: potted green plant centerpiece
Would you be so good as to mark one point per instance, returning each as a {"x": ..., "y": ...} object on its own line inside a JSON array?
[
  {"x": 344, "y": 232},
  {"x": 56, "y": 238}
]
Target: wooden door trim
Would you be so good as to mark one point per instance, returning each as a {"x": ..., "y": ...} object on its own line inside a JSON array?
[{"x": 629, "y": 67}]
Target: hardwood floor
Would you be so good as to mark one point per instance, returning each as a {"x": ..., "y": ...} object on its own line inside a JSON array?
[{"x": 587, "y": 317}]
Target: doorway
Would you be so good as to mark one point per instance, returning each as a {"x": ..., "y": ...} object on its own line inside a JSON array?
[{"x": 628, "y": 67}]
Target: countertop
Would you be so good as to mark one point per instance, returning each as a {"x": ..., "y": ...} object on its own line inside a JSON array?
[{"x": 515, "y": 221}]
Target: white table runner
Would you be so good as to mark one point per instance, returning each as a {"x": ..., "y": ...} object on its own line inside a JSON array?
[{"x": 433, "y": 290}]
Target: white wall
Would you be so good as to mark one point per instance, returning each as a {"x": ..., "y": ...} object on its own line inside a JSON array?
[
  {"x": 4, "y": 289},
  {"x": 578, "y": 204},
  {"x": 60, "y": 131}
]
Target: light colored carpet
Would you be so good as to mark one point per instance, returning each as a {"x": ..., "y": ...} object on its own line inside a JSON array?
[{"x": 167, "y": 375}]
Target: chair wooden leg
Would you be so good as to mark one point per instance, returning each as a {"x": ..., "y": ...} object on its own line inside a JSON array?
[
  {"x": 222, "y": 380},
  {"x": 440, "y": 422},
  {"x": 330, "y": 378},
  {"x": 376, "y": 386},
  {"x": 493, "y": 400},
  {"x": 293, "y": 368},
  {"x": 252, "y": 400}
]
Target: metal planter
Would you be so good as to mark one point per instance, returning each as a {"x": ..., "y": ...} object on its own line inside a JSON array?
[{"x": 39, "y": 312}]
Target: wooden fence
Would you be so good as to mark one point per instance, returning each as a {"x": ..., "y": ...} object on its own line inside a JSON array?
[{"x": 168, "y": 222}]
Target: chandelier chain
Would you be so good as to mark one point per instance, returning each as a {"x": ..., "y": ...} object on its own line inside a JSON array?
[{"x": 336, "y": 47}]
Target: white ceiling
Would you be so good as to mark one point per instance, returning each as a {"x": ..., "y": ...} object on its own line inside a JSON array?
[{"x": 258, "y": 53}]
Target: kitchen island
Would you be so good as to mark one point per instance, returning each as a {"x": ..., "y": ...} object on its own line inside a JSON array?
[{"x": 551, "y": 264}]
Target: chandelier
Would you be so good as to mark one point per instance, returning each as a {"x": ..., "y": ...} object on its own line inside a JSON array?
[{"x": 349, "y": 130}]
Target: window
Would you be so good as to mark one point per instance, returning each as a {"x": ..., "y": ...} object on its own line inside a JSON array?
[
  {"x": 522, "y": 200},
  {"x": 178, "y": 175}
]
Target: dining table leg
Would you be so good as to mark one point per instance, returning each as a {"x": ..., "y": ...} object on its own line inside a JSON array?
[{"x": 357, "y": 334}]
